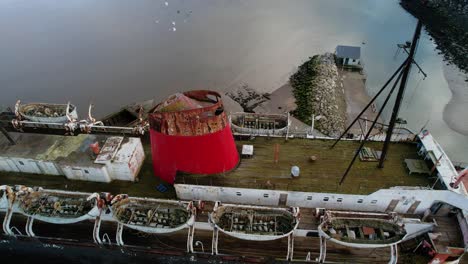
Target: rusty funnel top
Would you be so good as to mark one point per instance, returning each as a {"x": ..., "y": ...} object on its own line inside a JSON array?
[{"x": 190, "y": 133}]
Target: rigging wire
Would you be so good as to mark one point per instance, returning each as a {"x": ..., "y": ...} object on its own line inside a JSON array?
[{"x": 414, "y": 92}]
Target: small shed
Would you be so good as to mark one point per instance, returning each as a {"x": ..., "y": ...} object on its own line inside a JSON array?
[
  {"x": 122, "y": 156},
  {"x": 348, "y": 55},
  {"x": 71, "y": 156}
]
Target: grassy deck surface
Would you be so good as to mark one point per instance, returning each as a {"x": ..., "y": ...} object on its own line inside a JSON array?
[{"x": 321, "y": 175}]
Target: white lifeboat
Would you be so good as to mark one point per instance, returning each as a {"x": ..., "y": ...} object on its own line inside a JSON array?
[
  {"x": 254, "y": 222},
  {"x": 152, "y": 215}
]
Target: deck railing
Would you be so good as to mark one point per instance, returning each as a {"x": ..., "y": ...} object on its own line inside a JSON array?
[{"x": 406, "y": 137}]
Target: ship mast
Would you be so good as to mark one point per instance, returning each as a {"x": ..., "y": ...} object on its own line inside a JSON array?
[
  {"x": 403, "y": 73},
  {"x": 399, "y": 98}
]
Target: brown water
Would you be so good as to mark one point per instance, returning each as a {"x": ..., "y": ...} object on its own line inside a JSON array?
[{"x": 113, "y": 52}]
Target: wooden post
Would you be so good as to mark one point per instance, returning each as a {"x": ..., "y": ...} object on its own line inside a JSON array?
[
  {"x": 436, "y": 163},
  {"x": 312, "y": 125},
  {"x": 276, "y": 155}
]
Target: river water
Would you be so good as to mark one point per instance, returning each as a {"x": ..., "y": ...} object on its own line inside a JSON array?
[{"x": 114, "y": 52}]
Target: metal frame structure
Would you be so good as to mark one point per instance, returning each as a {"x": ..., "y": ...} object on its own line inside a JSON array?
[{"x": 73, "y": 126}]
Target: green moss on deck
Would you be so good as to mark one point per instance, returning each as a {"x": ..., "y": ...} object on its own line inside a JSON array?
[
  {"x": 322, "y": 175},
  {"x": 63, "y": 148}
]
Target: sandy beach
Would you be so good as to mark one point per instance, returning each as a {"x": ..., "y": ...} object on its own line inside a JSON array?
[
  {"x": 281, "y": 100},
  {"x": 356, "y": 99}
]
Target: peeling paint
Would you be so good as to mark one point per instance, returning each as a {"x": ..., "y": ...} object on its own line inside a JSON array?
[{"x": 209, "y": 117}]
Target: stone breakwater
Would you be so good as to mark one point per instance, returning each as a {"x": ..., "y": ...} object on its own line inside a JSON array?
[{"x": 319, "y": 91}]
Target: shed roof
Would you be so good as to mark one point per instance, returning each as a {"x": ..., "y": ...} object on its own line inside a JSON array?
[
  {"x": 109, "y": 149},
  {"x": 348, "y": 52},
  {"x": 117, "y": 150}
]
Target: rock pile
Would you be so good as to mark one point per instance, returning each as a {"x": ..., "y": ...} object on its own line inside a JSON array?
[{"x": 317, "y": 91}]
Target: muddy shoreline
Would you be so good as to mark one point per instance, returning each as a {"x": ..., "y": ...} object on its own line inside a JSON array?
[{"x": 455, "y": 110}]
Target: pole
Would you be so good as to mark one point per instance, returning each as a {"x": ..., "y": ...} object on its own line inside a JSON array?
[
  {"x": 370, "y": 103},
  {"x": 370, "y": 129},
  {"x": 365, "y": 122},
  {"x": 312, "y": 125},
  {"x": 399, "y": 97},
  {"x": 378, "y": 123},
  {"x": 4, "y": 132},
  {"x": 436, "y": 164},
  {"x": 362, "y": 130}
]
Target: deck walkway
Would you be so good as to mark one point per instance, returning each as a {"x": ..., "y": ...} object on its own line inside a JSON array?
[
  {"x": 261, "y": 171},
  {"x": 322, "y": 175},
  {"x": 450, "y": 233}
]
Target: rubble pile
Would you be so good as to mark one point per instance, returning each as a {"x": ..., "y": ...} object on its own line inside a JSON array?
[
  {"x": 45, "y": 204},
  {"x": 248, "y": 98},
  {"x": 46, "y": 111},
  {"x": 149, "y": 214},
  {"x": 317, "y": 92}
]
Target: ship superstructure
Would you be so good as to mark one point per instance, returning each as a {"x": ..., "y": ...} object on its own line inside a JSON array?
[
  {"x": 260, "y": 203},
  {"x": 244, "y": 186}
]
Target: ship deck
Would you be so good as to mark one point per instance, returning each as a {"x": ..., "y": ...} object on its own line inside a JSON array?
[
  {"x": 260, "y": 171},
  {"x": 322, "y": 175}
]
